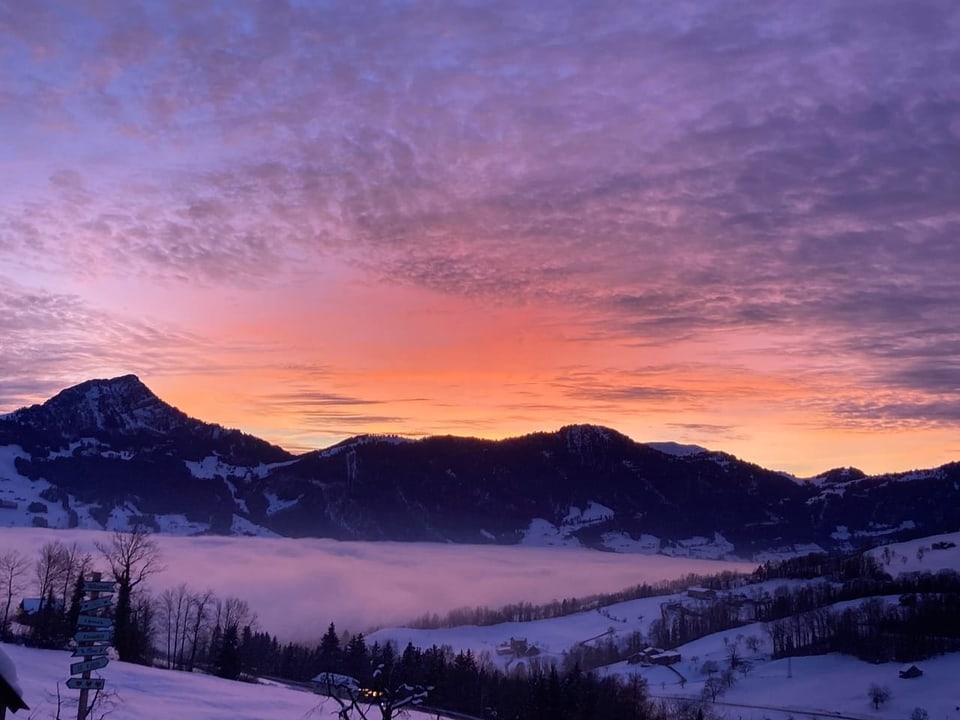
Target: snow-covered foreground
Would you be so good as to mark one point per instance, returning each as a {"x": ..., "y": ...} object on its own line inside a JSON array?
[
  {"x": 832, "y": 685},
  {"x": 142, "y": 693},
  {"x": 298, "y": 586},
  {"x": 146, "y": 693}
]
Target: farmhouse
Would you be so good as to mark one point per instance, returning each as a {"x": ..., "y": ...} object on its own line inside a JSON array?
[
  {"x": 336, "y": 685},
  {"x": 910, "y": 671},
  {"x": 701, "y": 593},
  {"x": 654, "y": 656}
]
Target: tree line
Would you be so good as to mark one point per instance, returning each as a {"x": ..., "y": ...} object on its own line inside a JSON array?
[
  {"x": 189, "y": 629},
  {"x": 529, "y": 612}
]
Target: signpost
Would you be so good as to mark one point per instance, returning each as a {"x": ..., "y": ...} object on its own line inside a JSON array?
[
  {"x": 95, "y": 604},
  {"x": 85, "y": 683},
  {"x": 88, "y": 665},
  {"x": 90, "y": 650},
  {"x": 91, "y": 629},
  {"x": 94, "y": 621}
]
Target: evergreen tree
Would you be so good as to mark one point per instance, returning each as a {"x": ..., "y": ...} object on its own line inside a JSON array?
[
  {"x": 330, "y": 655},
  {"x": 228, "y": 662}
]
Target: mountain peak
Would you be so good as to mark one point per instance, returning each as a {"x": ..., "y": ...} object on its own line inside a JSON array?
[
  {"x": 121, "y": 404},
  {"x": 840, "y": 475}
]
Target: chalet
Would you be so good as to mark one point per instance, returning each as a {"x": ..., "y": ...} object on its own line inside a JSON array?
[
  {"x": 667, "y": 657},
  {"x": 336, "y": 685},
  {"x": 746, "y": 608},
  {"x": 517, "y": 647},
  {"x": 8, "y": 505},
  {"x": 910, "y": 671},
  {"x": 643, "y": 656},
  {"x": 701, "y": 593},
  {"x": 31, "y": 606},
  {"x": 654, "y": 656}
]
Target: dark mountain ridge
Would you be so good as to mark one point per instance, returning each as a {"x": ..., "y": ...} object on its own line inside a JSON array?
[{"x": 112, "y": 449}]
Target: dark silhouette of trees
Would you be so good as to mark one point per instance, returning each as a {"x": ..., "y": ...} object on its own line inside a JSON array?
[{"x": 132, "y": 557}]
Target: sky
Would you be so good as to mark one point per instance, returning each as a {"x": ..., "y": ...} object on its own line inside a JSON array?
[{"x": 729, "y": 223}]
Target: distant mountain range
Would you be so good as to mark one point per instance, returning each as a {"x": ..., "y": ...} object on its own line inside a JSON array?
[{"x": 108, "y": 453}]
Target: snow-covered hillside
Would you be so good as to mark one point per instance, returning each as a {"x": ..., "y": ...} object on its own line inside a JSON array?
[{"x": 833, "y": 684}]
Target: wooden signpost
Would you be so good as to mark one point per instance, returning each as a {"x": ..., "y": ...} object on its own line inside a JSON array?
[
  {"x": 85, "y": 683},
  {"x": 99, "y": 603},
  {"x": 91, "y": 630}
]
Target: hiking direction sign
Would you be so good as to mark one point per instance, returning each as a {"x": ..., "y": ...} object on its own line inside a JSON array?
[{"x": 94, "y": 632}]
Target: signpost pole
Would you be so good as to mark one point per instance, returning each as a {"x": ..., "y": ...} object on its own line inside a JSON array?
[{"x": 85, "y": 692}]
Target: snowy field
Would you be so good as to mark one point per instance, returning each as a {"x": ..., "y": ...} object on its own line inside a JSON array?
[
  {"x": 298, "y": 586},
  {"x": 806, "y": 687},
  {"x": 920, "y": 555},
  {"x": 833, "y": 684},
  {"x": 142, "y": 693}
]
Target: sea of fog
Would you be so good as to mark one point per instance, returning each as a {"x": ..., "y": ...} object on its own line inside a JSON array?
[{"x": 298, "y": 586}]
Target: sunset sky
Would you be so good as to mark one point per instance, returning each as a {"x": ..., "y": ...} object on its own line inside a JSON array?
[{"x": 730, "y": 223}]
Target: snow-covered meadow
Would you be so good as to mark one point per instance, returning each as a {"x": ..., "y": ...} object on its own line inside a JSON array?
[
  {"x": 298, "y": 586},
  {"x": 135, "y": 692},
  {"x": 805, "y": 687},
  {"x": 819, "y": 686}
]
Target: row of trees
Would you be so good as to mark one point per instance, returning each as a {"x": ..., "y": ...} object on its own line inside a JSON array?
[
  {"x": 179, "y": 628},
  {"x": 56, "y": 577},
  {"x": 529, "y": 612},
  {"x": 917, "y": 627}
]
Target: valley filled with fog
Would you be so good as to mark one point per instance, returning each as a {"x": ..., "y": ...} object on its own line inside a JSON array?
[{"x": 298, "y": 586}]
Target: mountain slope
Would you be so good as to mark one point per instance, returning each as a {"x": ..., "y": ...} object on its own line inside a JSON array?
[{"x": 108, "y": 452}]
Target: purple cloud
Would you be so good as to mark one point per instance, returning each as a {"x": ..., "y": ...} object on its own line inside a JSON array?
[{"x": 659, "y": 172}]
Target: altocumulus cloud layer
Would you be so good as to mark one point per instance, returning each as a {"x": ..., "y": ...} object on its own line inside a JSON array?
[{"x": 725, "y": 202}]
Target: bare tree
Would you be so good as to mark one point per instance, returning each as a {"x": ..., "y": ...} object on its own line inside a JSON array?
[
  {"x": 232, "y": 612},
  {"x": 51, "y": 569},
  {"x": 173, "y": 605},
  {"x": 385, "y": 699},
  {"x": 713, "y": 688},
  {"x": 75, "y": 564},
  {"x": 201, "y": 621},
  {"x": 14, "y": 567},
  {"x": 878, "y": 694},
  {"x": 132, "y": 557}
]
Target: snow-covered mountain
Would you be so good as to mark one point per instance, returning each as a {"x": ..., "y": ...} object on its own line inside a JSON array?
[{"x": 109, "y": 452}]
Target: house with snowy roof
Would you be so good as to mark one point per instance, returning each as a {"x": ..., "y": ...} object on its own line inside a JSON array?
[{"x": 910, "y": 671}]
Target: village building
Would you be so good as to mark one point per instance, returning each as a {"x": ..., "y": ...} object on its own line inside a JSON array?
[
  {"x": 701, "y": 593},
  {"x": 336, "y": 685},
  {"x": 654, "y": 656}
]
